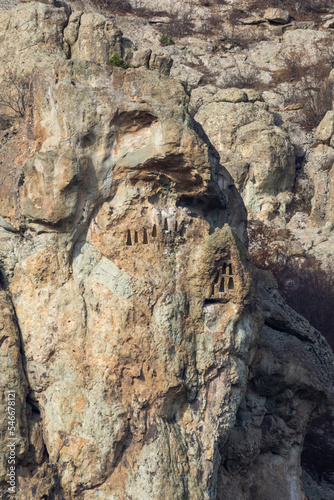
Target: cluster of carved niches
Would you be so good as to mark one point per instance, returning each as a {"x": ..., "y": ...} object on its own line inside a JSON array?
[
  {"x": 223, "y": 282},
  {"x": 145, "y": 236}
]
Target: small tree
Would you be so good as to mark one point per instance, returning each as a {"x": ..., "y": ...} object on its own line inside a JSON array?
[{"x": 14, "y": 92}]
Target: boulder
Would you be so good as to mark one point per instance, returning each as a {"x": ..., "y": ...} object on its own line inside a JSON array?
[
  {"x": 139, "y": 58},
  {"x": 190, "y": 76},
  {"x": 105, "y": 205},
  {"x": 98, "y": 39},
  {"x": 325, "y": 129},
  {"x": 161, "y": 63},
  {"x": 274, "y": 15},
  {"x": 320, "y": 170},
  {"x": 329, "y": 24}
]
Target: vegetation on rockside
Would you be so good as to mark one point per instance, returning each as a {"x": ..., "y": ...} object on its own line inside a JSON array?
[
  {"x": 309, "y": 84},
  {"x": 14, "y": 92},
  {"x": 114, "y": 6},
  {"x": 115, "y": 60},
  {"x": 305, "y": 284},
  {"x": 166, "y": 40}
]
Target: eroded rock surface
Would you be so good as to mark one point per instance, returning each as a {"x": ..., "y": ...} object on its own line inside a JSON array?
[
  {"x": 290, "y": 384},
  {"x": 129, "y": 325},
  {"x": 130, "y": 283},
  {"x": 258, "y": 154}
]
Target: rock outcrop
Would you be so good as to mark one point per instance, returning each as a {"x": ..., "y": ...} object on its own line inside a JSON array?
[
  {"x": 257, "y": 153},
  {"x": 130, "y": 327},
  {"x": 125, "y": 263}
]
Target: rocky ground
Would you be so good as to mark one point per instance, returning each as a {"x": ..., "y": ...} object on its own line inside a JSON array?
[{"x": 149, "y": 357}]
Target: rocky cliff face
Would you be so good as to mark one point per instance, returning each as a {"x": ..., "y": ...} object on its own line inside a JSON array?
[{"x": 131, "y": 329}]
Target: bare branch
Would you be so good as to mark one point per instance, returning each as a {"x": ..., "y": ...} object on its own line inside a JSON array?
[{"x": 14, "y": 91}]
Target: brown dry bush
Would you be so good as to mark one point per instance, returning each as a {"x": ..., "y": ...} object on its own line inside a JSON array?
[
  {"x": 244, "y": 77},
  {"x": 305, "y": 285},
  {"x": 14, "y": 89},
  {"x": 181, "y": 22},
  {"x": 311, "y": 88},
  {"x": 113, "y": 6}
]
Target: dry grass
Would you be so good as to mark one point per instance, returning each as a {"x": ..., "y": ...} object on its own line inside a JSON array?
[{"x": 308, "y": 86}]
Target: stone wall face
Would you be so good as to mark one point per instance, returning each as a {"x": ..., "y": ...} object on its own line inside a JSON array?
[{"x": 130, "y": 324}]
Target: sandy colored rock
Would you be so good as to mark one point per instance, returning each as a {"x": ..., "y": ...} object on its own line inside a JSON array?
[
  {"x": 107, "y": 39},
  {"x": 136, "y": 339},
  {"x": 280, "y": 16},
  {"x": 161, "y": 63},
  {"x": 321, "y": 172},
  {"x": 230, "y": 95},
  {"x": 139, "y": 58},
  {"x": 258, "y": 154},
  {"x": 13, "y": 405},
  {"x": 325, "y": 128},
  {"x": 40, "y": 37},
  {"x": 99, "y": 220}
]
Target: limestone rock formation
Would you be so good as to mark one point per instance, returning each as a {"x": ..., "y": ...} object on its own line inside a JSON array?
[
  {"x": 124, "y": 272},
  {"x": 122, "y": 287},
  {"x": 279, "y": 16},
  {"x": 131, "y": 318}
]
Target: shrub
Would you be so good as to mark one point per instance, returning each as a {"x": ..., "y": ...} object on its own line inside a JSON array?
[
  {"x": 114, "y": 6},
  {"x": 165, "y": 39},
  {"x": 14, "y": 92},
  {"x": 115, "y": 60},
  {"x": 181, "y": 24},
  {"x": 311, "y": 87},
  {"x": 246, "y": 76}
]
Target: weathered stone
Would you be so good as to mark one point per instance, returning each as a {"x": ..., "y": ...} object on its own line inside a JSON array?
[
  {"x": 159, "y": 20},
  {"x": 190, "y": 76},
  {"x": 329, "y": 24},
  {"x": 280, "y": 16},
  {"x": 321, "y": 172},
  {"x": 230, "y": 95},
  {"x": 39, "y": 37},
  {"x": 201, "y": 95},
  {"x": 257, "y": 153},
  {"x": 71, "y": 31},
  {"x": 122, "y": 241},
  {"x": 90, "y": 271},
  {"x": 106, "y": 36},
  {"x": 253, "y": 95},
  {"x": 139, "y": 58},
  {"x": 278, "y": 403},
  {"x": 325, "y": 129},
  {"x": 13, "y": 388},
  {"x": 161, "y": 63}
]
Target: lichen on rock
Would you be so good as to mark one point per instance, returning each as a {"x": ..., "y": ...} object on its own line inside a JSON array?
[{"x": 146, "y": 353}]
